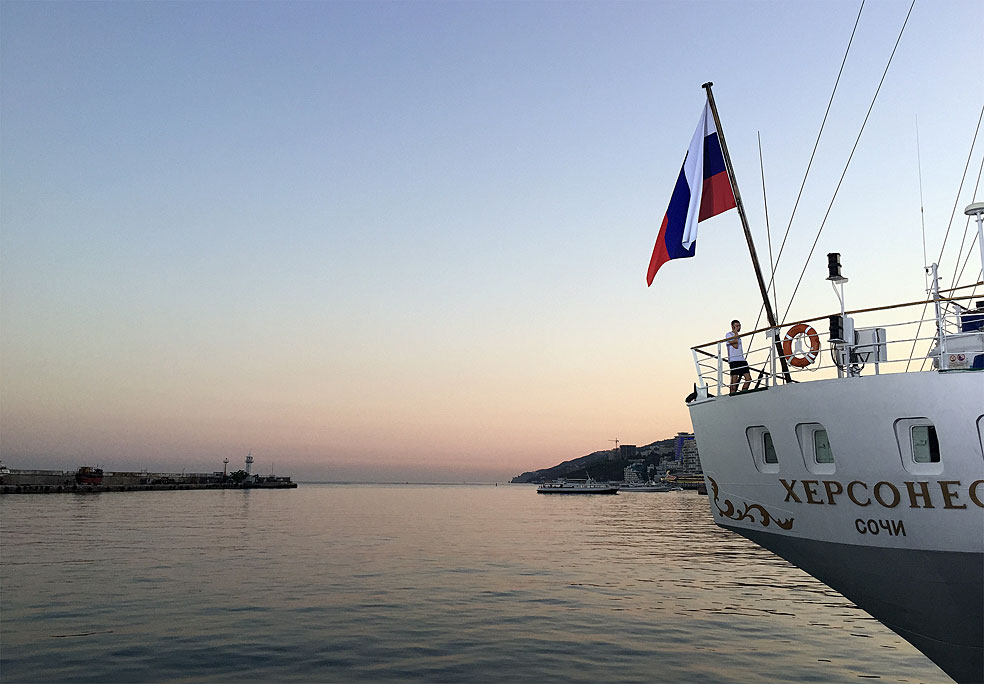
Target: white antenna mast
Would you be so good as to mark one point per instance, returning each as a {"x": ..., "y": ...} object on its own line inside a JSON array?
[
  {"x": 977, "y": 209},
  {"x": 922, "y": 208}
]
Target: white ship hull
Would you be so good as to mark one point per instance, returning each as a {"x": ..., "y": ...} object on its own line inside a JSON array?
[{"x": 902, "y": 539}]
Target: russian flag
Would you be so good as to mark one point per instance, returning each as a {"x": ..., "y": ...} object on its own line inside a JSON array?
[{"x": 702, "y": 190}]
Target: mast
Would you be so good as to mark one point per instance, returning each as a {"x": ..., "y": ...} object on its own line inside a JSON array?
[
  {"x": 748, "y": 233},
  {"x": 977, "y": 209}
]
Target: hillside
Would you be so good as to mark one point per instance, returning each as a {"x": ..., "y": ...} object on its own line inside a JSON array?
[{"x": 596, "y": 464}]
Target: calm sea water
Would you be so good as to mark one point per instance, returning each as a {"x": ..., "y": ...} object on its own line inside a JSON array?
[{"x": 347, "y": 583}]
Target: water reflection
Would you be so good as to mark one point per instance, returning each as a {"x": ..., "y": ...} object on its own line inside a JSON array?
[{"x": 386, "y": 583}]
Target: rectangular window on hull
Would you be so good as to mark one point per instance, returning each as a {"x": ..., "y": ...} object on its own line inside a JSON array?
[
  {"x": 925, "y": 445},
  {"x": 821, "y": 447},
  {"x": 919, "y": 446},
  {"x": 769, "y": 449},
  {"x": 763, "y": 451},
  {"x": 815, "y": 446}
]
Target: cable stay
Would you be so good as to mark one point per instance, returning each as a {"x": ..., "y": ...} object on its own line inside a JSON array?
[
  {"x": 850, "y": 157},
  {"x": 774, "y": 265},
  {"x": 963, "y": 238}
]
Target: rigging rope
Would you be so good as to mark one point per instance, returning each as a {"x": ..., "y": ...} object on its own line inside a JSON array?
[
  {"x": 956, "y": 200},
  {"x": 768, "y": 232},
  {"x": 823, "y": 123},
  {"x": 970, "y": 249},
  {"x": 977, "y": 184},
  {"x": 922, "y": 204},
  {"x": 816, "y": 144},
  {"x": 850, "y": 157}
]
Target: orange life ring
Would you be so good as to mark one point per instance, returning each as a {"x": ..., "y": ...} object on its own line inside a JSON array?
[{"x": 801, "y": 359}]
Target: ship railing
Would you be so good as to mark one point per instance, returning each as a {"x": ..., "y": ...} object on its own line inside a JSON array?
[{"x": 945, "y": 335}]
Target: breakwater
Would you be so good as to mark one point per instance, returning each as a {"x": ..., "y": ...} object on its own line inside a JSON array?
[{"x": 79, "y": 482}]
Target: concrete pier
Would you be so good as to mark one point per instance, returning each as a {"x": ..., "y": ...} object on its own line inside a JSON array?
[
  {"x": 94, "y": 489},
  {"x": 62, "y": 482}
]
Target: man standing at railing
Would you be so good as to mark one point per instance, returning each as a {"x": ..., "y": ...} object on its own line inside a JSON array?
[{"x": 736, "y": 359}]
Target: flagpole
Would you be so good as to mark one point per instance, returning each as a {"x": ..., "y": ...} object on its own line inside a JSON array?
[{"x": 748, "y": 233}]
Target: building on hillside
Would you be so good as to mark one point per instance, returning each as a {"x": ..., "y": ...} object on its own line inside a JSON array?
[
  {"x": 628, "y": 452},
  {"x": 685, "y": 452},
  {"x": 665, "y": 452},
  {"x": 635, "y": 471}
]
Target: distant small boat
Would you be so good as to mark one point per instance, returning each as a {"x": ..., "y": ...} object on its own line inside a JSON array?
[
  {"x": 89, "y": 475},
  {"x": 686, "y": 480},
  {"x": 588, "y": 486},
  {"x": 647, "y": 487}
]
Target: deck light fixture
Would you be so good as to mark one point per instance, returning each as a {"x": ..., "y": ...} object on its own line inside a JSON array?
[{"x": 834, "y": 268}]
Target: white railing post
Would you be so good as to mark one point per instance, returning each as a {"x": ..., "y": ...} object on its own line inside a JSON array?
[
  {"x": 940, "y": 332},
  {"x": 720, "y": 369},
  {"x": 772, "y": 355},
  {"x": 700, "y": 377}
]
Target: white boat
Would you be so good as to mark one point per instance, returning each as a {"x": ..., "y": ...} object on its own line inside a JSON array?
[
  {"x": 647, "y": 487},
  {"x": 859, "y": 457},
  {"x": 588, "y": 486}
]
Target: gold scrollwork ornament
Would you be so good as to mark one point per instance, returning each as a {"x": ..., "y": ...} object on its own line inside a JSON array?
[{"x": 730, "y": 511}]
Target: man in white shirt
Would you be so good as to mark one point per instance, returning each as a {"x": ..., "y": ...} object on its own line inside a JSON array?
[{"x": 736, "y": 359}]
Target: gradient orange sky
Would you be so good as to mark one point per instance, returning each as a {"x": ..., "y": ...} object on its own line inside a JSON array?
[{"x": 376, "y": 241}]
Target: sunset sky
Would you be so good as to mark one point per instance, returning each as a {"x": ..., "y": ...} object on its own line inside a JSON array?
[{"x": 408, "y": 241}]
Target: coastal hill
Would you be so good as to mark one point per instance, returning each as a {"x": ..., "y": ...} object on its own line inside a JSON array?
[{"x": 607, "y": 465}]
